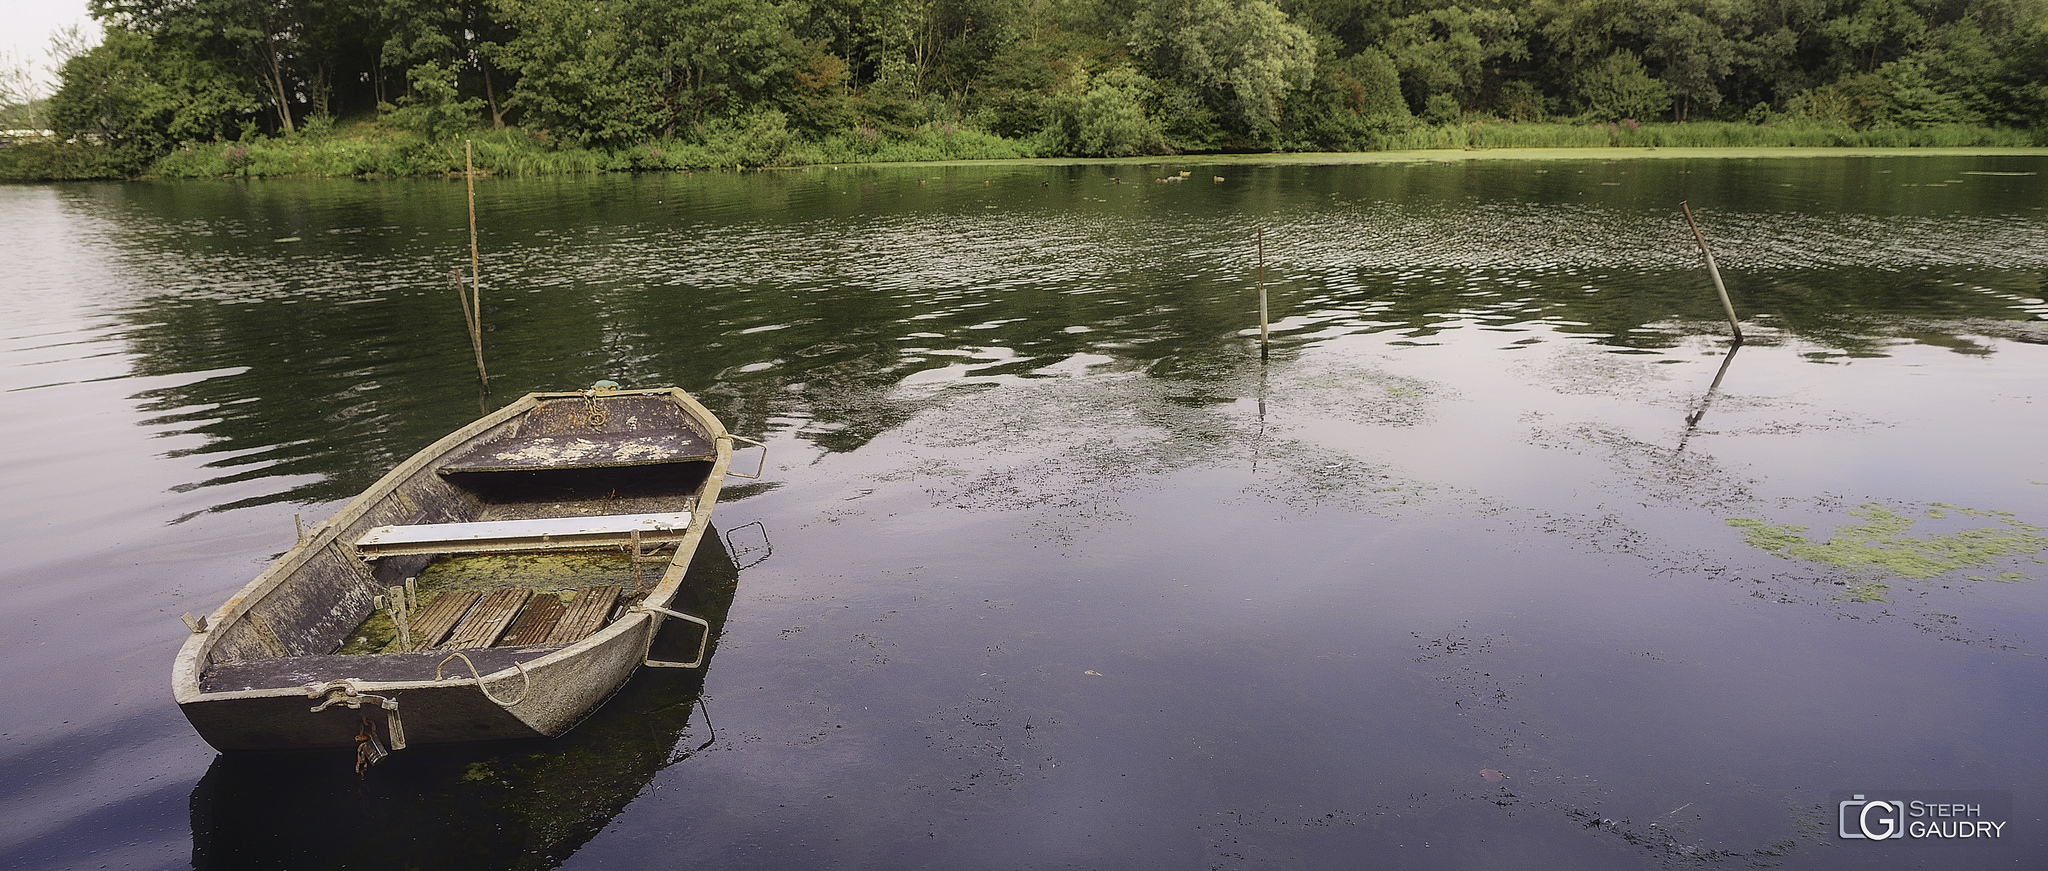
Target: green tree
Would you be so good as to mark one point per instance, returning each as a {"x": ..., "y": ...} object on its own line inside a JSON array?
[
  {"x": 621, "y": 71},
  {"x": 566, "y": 56},
  {"x": 1966, "y": 56},
  {"x": 1699, "y": 46},
  {"x": 2022, "y": 80},
  {"x": 1577, "y": 34},
  {"x": 821, "y": 100},
  {"x": 1244, "y": 57},
  {"x": 1353, "y": 104},
  {"x": 970, "y": 35},
  {"x": 1912, "y": 99},
  {"x": 1105, "y": 116},
  {"x": 435, "y": 108},
  {"x": 691, "y": 60},
  {"x": 1052, "y": 43},
  {"x": 1874, "y": 31},
  {"x": 891, "y": 46},
  {"x": 1348, "y": 27},
  {"x": 335, "y": 45},
  {"x": 141, "y": 98},
  {"x": 1617, "y": 88},
  {"x": 1448, "y": 54},
  {"x": 250, "y": 35}
]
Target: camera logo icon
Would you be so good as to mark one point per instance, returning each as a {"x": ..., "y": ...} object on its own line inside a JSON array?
[{"x": 1872, "y": 819}]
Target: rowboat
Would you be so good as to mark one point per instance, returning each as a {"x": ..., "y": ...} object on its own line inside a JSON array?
[
  {"x": 540, "y": 803},
  {"x": 500, "y": 584}
]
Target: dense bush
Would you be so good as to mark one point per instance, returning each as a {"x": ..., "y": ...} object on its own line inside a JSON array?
[{"x": 53, "y": 160}]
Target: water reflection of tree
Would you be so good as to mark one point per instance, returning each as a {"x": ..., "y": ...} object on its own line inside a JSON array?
[
  {"x": 342, "y": 352},
  {"x": 338, "y": 390},
  {"x": 1859, "y": 312}
]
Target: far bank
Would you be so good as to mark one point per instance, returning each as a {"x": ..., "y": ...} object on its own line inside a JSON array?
[{"x": 370, "y": 150}]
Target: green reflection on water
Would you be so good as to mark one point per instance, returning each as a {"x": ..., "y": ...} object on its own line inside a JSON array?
[{"x": 807, "y": 299}]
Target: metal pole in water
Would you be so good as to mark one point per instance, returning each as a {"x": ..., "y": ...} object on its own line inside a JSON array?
[
  {"x": 1263, "y": 333},
  {"x": 1713, "y": 272},
  {"x": 474, "y": 306}
]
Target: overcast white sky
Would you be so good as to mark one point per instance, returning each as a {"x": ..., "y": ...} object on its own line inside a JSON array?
[{"x": 25, "y": 27}]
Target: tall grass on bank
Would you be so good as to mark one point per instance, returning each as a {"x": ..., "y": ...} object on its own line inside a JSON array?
[
  {"x": 367, "y": 149},
  {"x": 1789, "y": 133},
  {"x": 761, "y": 139},
  {"x": 372, "y": 151}
]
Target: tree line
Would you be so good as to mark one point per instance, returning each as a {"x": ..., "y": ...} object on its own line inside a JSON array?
[{"x": 1060, "y": 77}]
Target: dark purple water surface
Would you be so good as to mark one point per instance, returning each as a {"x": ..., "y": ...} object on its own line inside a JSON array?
[{"x": 1048, "y": 568}]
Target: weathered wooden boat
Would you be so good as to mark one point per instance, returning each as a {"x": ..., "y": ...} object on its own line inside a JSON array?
[
  {"x": 535, "y": 809},
  {"x": 500, "y": 584}
]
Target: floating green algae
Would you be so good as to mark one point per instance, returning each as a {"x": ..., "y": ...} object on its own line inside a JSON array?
[{"x": 1880, "y": 543}]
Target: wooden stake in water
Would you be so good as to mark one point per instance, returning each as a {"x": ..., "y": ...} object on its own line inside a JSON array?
[
  {"x": 473, "y": 303},
  {"x": 1264, "y": 336},
  {"x": 470, "y": 322},
  {"x": 1713, "y": 273}
]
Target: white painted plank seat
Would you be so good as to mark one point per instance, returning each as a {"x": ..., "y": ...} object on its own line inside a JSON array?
[{"x": 505, "y": 536}]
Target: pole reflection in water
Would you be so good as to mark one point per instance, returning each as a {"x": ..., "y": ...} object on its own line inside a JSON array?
[
  {"x": 1693, "y": 420},
  {"x": 512, "y": 805}
]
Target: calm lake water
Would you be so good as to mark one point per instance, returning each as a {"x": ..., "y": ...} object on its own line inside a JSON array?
[{"x": 1048, "y": 567}]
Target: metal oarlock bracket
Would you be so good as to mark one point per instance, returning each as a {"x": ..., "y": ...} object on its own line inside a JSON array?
[
  {"x": 703, "y": 644},
  {"x": 764, "y": 456},
  {"x": 344, "y": 692}
]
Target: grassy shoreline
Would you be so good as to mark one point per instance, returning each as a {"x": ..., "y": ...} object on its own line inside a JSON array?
[
  {"x": 1457, "y": 155},
  {"x": 370, "y": 150}
]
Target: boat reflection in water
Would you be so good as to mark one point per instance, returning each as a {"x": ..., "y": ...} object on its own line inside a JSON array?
[{"x": 514, "y": 804}]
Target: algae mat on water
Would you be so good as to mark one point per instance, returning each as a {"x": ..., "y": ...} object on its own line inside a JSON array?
[{"x": 1881, "y": 544}]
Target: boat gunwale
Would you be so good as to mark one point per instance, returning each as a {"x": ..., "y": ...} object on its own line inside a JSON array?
[{"x": 192, "y": 656}]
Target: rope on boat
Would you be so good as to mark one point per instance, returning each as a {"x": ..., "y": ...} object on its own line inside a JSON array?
[
  {"x": 595, "y": 410},
  {"x": 526, "y": 682}
]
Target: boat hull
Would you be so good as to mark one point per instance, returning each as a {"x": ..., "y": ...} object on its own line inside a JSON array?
[{"x": 557, "y": 690}]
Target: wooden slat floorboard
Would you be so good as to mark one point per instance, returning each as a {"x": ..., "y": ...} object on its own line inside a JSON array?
[
  {"x": 584, "y": 615},
  {"x": 487, "y": 620},
  {"x": 432, "y": 622},
  {"x": 536, "y": 621}
]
